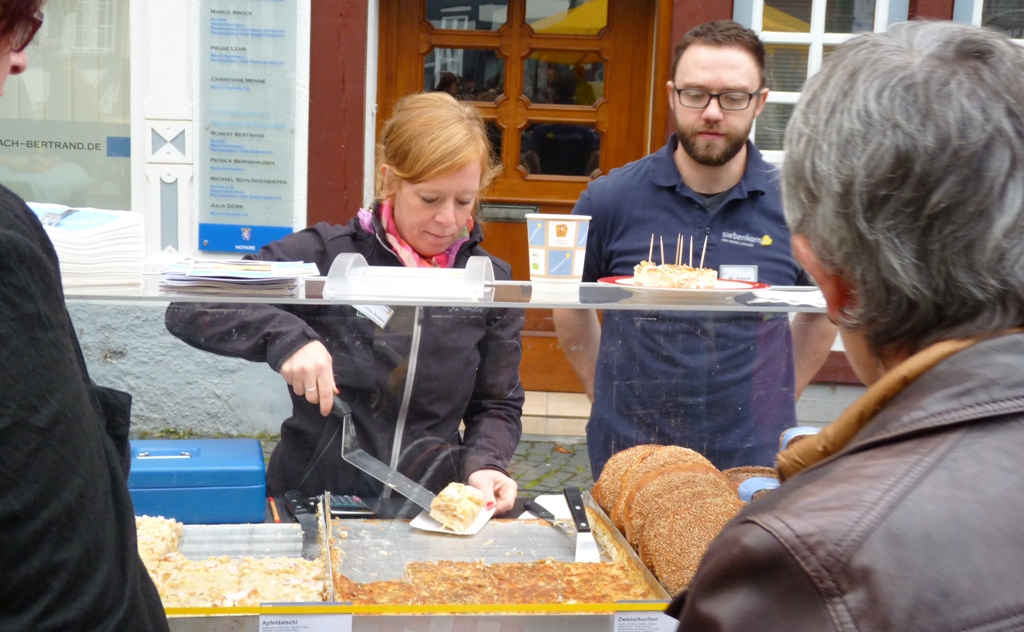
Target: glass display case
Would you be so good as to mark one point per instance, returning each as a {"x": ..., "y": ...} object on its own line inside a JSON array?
[{"x": 400, "y": 359}]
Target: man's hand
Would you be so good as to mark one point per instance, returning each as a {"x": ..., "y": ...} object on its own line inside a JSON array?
[
  {"x": 310, "y": 372},
  {"x": 499, "y": 490},
  {"x": 813, "y": 335},
  {"x": 579, "y": 334}
]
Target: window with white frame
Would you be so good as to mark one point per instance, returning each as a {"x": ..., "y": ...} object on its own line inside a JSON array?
[
  {"x": 797, "y": 35},
  {"x": 1005, "y": 16}
]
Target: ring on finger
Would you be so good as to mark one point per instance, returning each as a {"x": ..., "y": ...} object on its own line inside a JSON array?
[{"x": 312, "y": 388}]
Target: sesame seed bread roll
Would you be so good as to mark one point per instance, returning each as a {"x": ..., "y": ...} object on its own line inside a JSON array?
[
  {"x": 737, "y": 475},
  {"x": 665, "y": 457},
  {"x": 663, "y": 491},
  {"x": 606, "y": 489},
  {"x": 675, "y": 543}
]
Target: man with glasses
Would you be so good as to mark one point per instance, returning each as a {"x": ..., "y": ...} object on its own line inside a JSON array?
[
  {"x": 722, "y": 384},
  {"x": 69, "y": 559}
]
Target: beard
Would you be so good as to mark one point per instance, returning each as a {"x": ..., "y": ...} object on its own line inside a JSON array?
[{"x": 712, "y": 154}]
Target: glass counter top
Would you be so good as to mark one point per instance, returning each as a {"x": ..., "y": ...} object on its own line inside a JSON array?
[{"x": 504, "y": 294}]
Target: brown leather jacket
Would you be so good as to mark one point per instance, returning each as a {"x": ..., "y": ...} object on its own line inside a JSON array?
[{"x": 917, "y": 524}]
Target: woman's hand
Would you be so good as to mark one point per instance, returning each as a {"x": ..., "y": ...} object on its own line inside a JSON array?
[
  {"x": 499, "y": 490},
  {"x": 310, "y": 372}
]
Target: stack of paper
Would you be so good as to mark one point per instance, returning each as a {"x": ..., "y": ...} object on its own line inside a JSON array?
[
  {"x": 273, "y": 278},
  {"x": 96, "y": 247}
]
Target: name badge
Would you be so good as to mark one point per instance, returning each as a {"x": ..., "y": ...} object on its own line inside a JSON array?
[
  {"x": 738, "y": 273},
  {"x": 379, "y": 314}
]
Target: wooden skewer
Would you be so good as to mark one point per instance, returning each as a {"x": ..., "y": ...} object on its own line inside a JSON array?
[
  {"x": 691, "y": 251},
  {"x": 679, "y": 245},
  {"x": 662, "y": 240},
  {"x": 702, "y": 251},
  {"x": 650, "y": 252}
]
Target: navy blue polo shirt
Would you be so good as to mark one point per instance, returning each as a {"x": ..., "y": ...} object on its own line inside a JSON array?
[{"x": 717, "y": 382}]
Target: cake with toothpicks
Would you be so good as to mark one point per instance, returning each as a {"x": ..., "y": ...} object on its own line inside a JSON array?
[
  {"x": 649, "y": 274},
  {"x": 676, "y": 275}
]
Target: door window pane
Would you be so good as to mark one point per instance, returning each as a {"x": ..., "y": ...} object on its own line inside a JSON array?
[
  {"x": 786, "y": 66},
  {"x": 560, "y": 149},
  {"x": 771, "y": 125},
  {"x": 494, "y": 135},
  {"x": 467, "y": 74},
  {"x": 467, "y": 15},
  {"x": 567, "y": 17},
  {"x": 64, "y": 122},
  {"x": 849, "y": 16},
  {"x": 787, "y": 16},
  {"x": 563, "y": 77},
  {"x": 1005, "y": 16}
]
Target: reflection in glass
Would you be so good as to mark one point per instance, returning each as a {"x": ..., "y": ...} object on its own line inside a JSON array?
[
  {"x": 467, "y": 74},
  {"x": 567, "y": 17},
  {"x": 787, "y": 16},
  {"x": 560, "y": 149},
  {"x": 494, "y": 135},
  {"x": 786, "y": 66},
  {"x": 467, "y": 15},
  {"x": 849, "y": 16},
  {"x": 771, "y": 125},
  {"x": 1005, "y": 16},
  {"x": 73, "y": 103},
  {"x": 563, "y": 77}
]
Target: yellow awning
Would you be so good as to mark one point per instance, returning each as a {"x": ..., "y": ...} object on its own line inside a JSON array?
[
  {"x": 781, "y": 22},
  {"x": 586, "y": 19}
]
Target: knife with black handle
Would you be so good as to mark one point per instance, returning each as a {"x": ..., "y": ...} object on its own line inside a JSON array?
[
  {"x": 586, "y": 546},
  {"x": 538, "y": 510}
]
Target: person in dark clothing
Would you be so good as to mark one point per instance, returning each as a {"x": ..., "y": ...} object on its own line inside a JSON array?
[
  {"x": 68, "y": 553},
  {"x": 411, "y": 379},
  {"x": 903, "y": 188}
]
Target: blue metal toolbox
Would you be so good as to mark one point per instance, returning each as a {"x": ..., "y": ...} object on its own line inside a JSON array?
[{"x": 199, "y": 481}]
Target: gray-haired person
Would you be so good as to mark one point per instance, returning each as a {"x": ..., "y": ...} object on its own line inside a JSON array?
[{"x": 904, "y": 190}]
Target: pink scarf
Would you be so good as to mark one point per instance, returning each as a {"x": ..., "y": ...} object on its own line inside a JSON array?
[{"x": 409, "y": 257}]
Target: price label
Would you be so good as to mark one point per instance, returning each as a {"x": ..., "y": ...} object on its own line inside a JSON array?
[
  {"x": 306, "y": 623},
  {"x": 645, "y": 622}
]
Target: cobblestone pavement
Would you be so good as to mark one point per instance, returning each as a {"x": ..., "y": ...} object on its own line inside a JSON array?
[
  {"x": 540, "y": 464},
  {"x": 546, "y": 465}
]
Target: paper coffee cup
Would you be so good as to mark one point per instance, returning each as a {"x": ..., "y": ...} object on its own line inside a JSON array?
[{"x": 557, "y": 246}]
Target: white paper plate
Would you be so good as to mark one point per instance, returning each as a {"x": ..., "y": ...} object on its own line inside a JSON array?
[{"x": 426, "y": 523}]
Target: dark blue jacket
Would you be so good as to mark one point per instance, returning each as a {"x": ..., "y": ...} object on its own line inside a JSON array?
[
  {"x": 719, "y": 383},
  {"x": 467, "y": 371}
]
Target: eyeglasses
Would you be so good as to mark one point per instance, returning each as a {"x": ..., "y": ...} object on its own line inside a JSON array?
[
  {"x": 698, "y": 99},
  {"x": 24, "y": 32}
]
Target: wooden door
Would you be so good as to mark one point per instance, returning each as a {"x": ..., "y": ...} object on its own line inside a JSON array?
[{"x": 567, "y": 96}]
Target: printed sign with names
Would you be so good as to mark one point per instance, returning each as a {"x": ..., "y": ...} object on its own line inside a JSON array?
[{"x": 247, "y": 117}]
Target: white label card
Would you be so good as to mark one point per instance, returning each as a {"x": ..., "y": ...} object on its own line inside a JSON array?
[
  {"x": 653, "y": 621},
  {"x": 379, "y": 314},
  {"x": 305, "y": 623},
  {"x": 738, "y": 273}
]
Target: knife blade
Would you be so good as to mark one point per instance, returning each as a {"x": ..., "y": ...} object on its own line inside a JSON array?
[
  {"x": 586, "y": 546},
  {"x": 351, "y": 452},
  {"x": 538, "y": 510}
]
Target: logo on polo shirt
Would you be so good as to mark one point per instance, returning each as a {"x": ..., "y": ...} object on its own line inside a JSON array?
[{"x": 748, "y": 241}]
